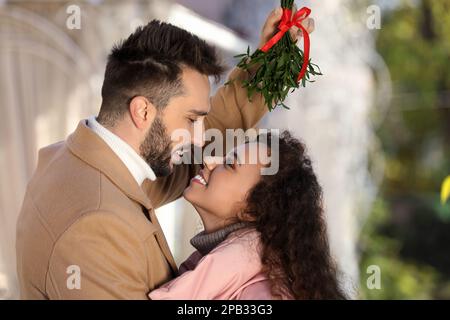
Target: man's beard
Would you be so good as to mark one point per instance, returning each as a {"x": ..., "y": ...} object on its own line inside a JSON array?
[{"x": 156, "y": 148}]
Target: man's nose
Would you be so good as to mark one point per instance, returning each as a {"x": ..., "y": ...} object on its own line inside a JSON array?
[
  {"x": 212, "y": 162},
  {"x": 198, "y": 139}
]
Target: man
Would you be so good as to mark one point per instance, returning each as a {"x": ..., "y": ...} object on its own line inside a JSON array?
[{"x": 87, "y": 228}]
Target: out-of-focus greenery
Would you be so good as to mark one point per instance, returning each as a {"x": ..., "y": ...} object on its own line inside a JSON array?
[{"x": 408, "y": 232}]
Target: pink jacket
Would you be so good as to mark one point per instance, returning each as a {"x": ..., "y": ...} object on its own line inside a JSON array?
[{"x": 231, "y": 271}]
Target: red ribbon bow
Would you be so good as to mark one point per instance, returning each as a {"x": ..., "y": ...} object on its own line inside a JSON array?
[{"x": 285, "y": 24}]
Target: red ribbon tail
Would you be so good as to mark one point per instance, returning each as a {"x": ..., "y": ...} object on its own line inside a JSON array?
[{"x": 306, "y": 43}]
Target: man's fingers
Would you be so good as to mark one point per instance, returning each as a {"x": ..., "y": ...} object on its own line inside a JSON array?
[
  {"x": 297, "y": 33},
  {"x": 294, "y": 31},
  {"x": 308, "y": 24},
  {"x": 294, "y": 10},
  {"x": 273, "y": 20},
  {"x": 274, "y": 17}
]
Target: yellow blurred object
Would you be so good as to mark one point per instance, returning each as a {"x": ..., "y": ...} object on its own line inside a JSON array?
[{"x": 445, "y": 190}]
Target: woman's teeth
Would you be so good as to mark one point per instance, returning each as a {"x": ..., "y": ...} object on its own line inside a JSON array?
[{"x": 200, "y": 179}]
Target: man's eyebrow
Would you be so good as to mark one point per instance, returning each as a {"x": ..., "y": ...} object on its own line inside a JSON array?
[{"x": 198, "y": 112}]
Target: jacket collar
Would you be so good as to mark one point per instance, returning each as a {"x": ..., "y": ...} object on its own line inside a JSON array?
[
  {"x": 138, "y": 167},
  {"x": 90, "y": 148},
  {"x": 93, "y": 150}
]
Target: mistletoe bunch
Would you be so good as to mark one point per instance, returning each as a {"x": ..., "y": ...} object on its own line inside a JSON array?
[{"x": 281, "y": 64}]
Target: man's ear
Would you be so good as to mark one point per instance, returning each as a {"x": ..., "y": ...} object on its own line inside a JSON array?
[{"x": 142, "y": 112}]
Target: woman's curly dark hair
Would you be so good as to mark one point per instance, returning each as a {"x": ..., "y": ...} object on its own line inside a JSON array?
[{"x": 288, "y": 213}]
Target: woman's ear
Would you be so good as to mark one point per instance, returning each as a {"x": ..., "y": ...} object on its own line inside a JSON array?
[{"x": 142, "y": 112}]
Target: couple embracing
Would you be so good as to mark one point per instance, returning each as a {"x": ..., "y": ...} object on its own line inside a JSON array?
[{"x": 91, "y": 202}]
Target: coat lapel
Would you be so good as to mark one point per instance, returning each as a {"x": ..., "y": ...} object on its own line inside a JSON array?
[{"x": 89, "y": 147}]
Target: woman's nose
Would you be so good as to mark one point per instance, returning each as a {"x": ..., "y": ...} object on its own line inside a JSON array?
[{"x": 212, "y": 162}]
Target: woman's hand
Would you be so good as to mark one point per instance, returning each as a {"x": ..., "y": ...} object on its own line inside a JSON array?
[{"x": 273, "y": 20}]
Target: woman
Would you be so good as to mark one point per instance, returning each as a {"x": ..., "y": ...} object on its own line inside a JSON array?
[{"x": 265, "y": 235}]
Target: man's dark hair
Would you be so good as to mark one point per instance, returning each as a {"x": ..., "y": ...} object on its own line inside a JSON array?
[{"x": 149, "y": 63}]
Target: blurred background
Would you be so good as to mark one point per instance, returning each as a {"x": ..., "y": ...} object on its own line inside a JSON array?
[{"x": 377, "y": 123}]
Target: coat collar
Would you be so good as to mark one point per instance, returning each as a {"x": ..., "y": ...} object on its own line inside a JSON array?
[
  {"x": 138, "y": 167},
  {"x": 90, "y": 148}
]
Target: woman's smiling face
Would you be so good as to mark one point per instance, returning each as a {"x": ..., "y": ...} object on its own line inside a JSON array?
[{"x": 221, "y": 187}]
